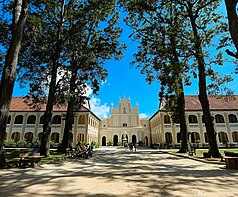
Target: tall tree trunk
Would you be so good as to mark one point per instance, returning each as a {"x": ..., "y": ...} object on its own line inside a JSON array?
[
  {"x": 180, "y": 100},
  {"x": 233, "y": 24},
  {"x": 182, "y": 119},
  {"x": 45, "y": 141},
  {"x": 203, "y": 98},
  {"x": 70, "y": 110},
  {"x": 9, "y": 72}
]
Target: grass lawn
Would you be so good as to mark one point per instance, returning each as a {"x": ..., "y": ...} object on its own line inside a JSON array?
[
  {"x": 12, "y": 156},
  {"x": 199, "y": 153}
]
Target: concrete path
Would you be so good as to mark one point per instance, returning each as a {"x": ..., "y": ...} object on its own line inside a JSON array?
[{"x": 121, "y": 173}]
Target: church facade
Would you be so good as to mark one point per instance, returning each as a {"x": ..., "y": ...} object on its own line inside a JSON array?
[{"x": 124, "y": 122}]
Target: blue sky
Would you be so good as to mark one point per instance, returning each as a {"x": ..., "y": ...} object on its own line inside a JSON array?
[{"x": 124, "y": 81}]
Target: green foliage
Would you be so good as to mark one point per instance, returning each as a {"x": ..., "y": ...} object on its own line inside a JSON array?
[
  {"x": 22, "y": 143},
  {"x": 110, "y": 143},
  {"x": 9, "y": 142}
]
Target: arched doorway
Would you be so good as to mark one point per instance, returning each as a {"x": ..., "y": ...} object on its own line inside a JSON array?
[
  {"x": 16, "y": 136},
  {"x": 55, "y": 137},
  {"x": 146, "y": 141},
  {"x": 115, "y": 140},
  {"x": 104, "y": 141},
  {"x": 29, "y": 136},
  {"x": 223, "y": 138},
  {"x": 195, "y": 137},
  {"x": 168, "y": 137},
  {"x": 123, "y": 140},
  {"x": 40, "y": 135},
  {"x": 134, "y": 139}
]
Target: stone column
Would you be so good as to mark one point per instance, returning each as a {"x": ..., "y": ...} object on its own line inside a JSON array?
[
  {"x": 174, "y": 140},
  {"x": 162, "y": 128},
  {"x": 188, "y": 128},
  {"x": 230, "y": 139},
  {"x": 200, "y": 125},
  {"x": 74, "y": 130},
  {"x": 24, "y": 125},
  {"x": 11, "y": 125}
]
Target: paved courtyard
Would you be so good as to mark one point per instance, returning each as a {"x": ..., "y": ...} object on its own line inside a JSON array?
[{"x": 118, "y": 172}]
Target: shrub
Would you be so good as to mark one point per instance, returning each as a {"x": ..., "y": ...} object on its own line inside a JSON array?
[
  {"x": 9, "y": 142},
  {"x": 22, "y": 143},
  {"x": 109, "y": 143},
  {"x": 140, "y": 143}
]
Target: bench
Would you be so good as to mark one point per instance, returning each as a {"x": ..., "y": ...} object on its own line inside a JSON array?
[
  {"x": 231, "y": 162},
  {"x": 29, "y": 159}
]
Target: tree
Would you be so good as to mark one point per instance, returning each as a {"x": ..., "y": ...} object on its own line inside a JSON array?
[
  {"x": 19, "y": 16},
  {"x": 199, "y": 26},
  {"x": 231, "y": 8},
  {"x": 93, "y": 44},
  {"x": 156, "y": 25},
  {"x": 67, "y": 37},
  {"x": 199, "y": 14}
]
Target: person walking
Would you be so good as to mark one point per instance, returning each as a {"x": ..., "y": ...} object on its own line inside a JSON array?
[{"x": 134, "y": 145}]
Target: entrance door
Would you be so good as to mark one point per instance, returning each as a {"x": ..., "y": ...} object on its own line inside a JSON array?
[
  {"x": 115, "y": 140},
  {"x": 134, "y": 139},
  {"x": 146, "y": 141},
  {"x": 104, "y": 141}
]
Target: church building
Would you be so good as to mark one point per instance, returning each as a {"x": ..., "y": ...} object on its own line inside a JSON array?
[{"x": 124, "y": 122}]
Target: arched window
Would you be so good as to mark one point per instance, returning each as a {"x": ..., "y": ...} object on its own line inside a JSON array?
[
  {"x": 31, "y": 119},
  {"x": 42, "y": 120},
  {"x": 124, "y": 110},
  {"x": 40, "y": 135},
  {"x": 55, "y": 137},
  {"x": 82, "y": 119},
  {"x": 232, "y": 118},
  {"x": 29, "y": 136},
  {"x": 219, "y": 118},
  {"x": 168, "y": 137},
  {"x": 16, "y": 136},
  {"x": 192, "y": 119},
  {"x": 195, "y": 137},
  {"x": 235, "y": 136},
  {"x": 124, "y": 124},
  {"x": 166, "y": 119},
  {"x": 18, "y": 119},
  {"x": 222, "y": 137},
  {"x": 203, "y": 119},
  {"x": 56, "y": 119}
]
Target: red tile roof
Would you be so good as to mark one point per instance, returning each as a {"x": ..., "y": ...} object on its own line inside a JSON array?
[
  {"x": 224, "y": 103},
  {"x": 18, "y": 104}
]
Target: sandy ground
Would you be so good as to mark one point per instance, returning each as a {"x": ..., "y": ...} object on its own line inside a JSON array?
[{"x": 118, "y": 172}]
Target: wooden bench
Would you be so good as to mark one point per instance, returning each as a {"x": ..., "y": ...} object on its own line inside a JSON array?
[
  {"x": 231, "y": 162},
  {"x": 29, "y": 159}
]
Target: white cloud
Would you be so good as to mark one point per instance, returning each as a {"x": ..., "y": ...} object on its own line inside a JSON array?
[
  {"x": 143, "y": 115},
  {"x": 102, "y": 111},
  {"x": 89, "y": 91}
]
